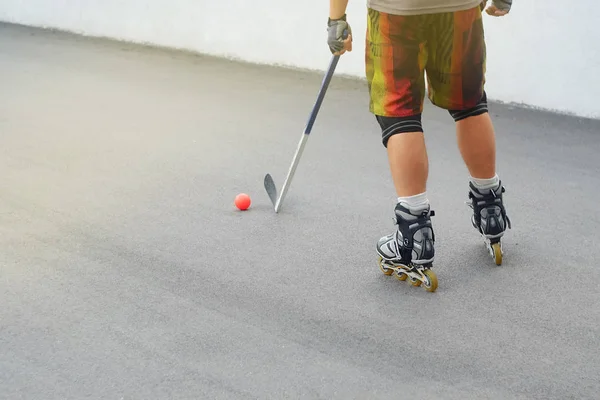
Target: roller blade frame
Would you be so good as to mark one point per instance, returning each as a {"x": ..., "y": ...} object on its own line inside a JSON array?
[{"x": 417, "y": 275}]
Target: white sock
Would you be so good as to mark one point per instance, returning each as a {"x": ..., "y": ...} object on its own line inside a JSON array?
[
  {"x": 415, "y": 201},
  {"x": 483, "y": 184}
]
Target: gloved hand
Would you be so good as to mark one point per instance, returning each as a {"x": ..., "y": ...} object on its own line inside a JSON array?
[
  {"x": 499, "y": 8},
  {"x": 339, "y": 36}
]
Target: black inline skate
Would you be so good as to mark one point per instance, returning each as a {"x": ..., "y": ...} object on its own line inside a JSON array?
[
  {"x": 409, "y": 252},
  {"x": 489, "y": 217}
]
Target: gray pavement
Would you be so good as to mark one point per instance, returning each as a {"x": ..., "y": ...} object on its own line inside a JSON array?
[{"x": 126, "y": 272}]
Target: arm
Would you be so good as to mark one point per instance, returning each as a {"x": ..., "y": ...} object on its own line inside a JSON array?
[{"x": 337, "y": 8}]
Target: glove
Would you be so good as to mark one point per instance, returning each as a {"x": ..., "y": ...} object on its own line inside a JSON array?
[
  {"x": 503, "y": 5},
  {"x": 337, "y": 31}
]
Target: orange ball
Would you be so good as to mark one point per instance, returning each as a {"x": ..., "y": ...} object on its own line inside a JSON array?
[{"x": 242, "y": 201}]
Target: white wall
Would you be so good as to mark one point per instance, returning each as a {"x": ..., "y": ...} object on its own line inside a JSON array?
[{"x": 545, "y": 54}]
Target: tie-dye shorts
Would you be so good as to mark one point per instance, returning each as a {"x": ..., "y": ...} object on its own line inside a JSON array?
[{"x": 449, "y": 48}]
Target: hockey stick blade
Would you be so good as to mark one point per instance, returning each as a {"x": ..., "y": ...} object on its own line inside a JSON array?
[{"x": 271, "y": 189}]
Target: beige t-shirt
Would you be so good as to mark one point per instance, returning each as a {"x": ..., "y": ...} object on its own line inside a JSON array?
[{"x": 412, "y": 7}]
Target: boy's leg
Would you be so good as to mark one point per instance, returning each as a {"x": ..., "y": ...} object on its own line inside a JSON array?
[
  {"x": 476, "y": 141},
  {"x": 477, "y": 144},
  {"x": 395, "y": 73},
  {"x": 395, "y": 61},
  {"x": 409, "y": 164},
  {"x": 457, "y": 76}
]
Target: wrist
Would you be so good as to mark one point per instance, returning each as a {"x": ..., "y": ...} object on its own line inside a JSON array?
[{"x": 337, "y": 17}]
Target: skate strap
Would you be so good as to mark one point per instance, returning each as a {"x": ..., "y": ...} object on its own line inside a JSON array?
[
  {"x": 408, "y": 228},
  {"x": 489, "y": 199}
]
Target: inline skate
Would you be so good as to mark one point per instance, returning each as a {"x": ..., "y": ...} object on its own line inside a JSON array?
[
  {"x": 489, "y": 218},
  {"x": 408, "y": 253}
]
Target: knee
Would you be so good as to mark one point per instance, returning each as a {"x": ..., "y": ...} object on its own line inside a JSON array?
[
  {"x": 396, "y": 125},
  {"x": 480, "y": 108}
]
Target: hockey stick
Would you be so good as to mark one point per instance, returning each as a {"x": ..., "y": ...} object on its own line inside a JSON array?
[{"x": 269, "y": 183}]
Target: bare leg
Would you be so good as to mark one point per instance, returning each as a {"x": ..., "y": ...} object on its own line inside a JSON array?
[
  {"x": 409, "y": 164},
  {"x": 477, "y": 145}
]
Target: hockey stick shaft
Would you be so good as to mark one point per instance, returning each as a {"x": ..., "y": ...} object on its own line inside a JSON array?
[{"x": 307, "y": 130}]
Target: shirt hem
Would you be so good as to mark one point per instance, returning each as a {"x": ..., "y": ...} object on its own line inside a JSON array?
[{"x": 421, "y": 11}]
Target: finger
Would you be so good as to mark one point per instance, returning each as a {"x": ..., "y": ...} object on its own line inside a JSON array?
[
  {"x": 348, "y": 44},
  {"x": 491, "y": 10}
]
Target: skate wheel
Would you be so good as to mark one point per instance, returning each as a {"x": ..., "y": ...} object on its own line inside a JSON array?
[
  {"x": 415, "y": 282},
  {"x": 401, "y": 276},
  {"x": 386, "y": 271},
  {"x": 497, "y": 249},
  {"x": 432, "y": 284}
]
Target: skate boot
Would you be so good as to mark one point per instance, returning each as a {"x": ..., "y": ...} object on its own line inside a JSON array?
[
  {"x": 489, "y": 217},
  {"x": 409, "y": 252}
]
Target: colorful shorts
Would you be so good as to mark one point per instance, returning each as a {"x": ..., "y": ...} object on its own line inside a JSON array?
[{"x": 449, "y": 47}]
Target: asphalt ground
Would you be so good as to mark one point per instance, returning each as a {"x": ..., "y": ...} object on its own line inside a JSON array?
[{"x": 127, "y": 273}]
